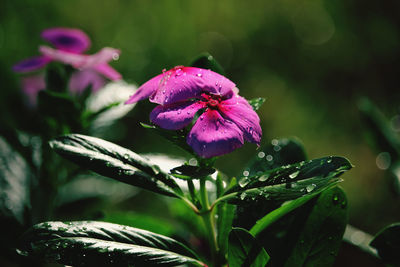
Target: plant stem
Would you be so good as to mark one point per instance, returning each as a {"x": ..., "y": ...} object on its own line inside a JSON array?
[{"x": 207, "y": 216}]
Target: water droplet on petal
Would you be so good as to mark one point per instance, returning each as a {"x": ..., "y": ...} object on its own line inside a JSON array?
[{"x": 199, "y": 75}]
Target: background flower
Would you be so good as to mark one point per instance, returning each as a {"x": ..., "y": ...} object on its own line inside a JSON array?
[{"x": 69, "y": 45}]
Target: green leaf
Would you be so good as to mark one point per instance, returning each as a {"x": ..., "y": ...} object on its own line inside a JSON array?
[
  {"x": 387, "y": 242},
  {"x": 256, "y": 103},
  {"x": 277, "y": 153},
  {"x": 226, "y": 213},
  {"x": 290, "y": 181},
  {"x": 244, "y": 250},
  {"x": 116, "y": 162},
  {"x": 98, "y": 243},
  {"x": 207, "y": 61},
  {"x": 187, "y": 172},
  {"x": 307, "y": 236}
]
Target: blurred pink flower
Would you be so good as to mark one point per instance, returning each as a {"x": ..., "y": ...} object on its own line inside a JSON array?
[
  {"x": 227, "y": 119},
  {"x": 69, "y": 45}
]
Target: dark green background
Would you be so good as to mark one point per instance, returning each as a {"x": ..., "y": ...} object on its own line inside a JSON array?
[{"x": 311, "y": 60}]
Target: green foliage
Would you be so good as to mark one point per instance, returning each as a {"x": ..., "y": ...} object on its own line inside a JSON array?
[
  {"x": 187, "y": 172},
  {"x": 88, "y": 243},
  {"x": 113, "y": 161},
  {"x": 290, "y": 181},
  {"x": 305, "y": 235},
  {"x": 387, "y": 242},
  {"x": 244, "y": 250}
]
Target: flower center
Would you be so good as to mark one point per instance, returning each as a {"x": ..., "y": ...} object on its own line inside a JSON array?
[{"x": 212, "y": 103}]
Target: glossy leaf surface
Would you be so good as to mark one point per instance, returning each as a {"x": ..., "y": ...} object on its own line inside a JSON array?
[
  {"x": 387, "y": 242},
  {"x": 116, "y": 162},
  {"x": 290, "y": 181},
  {"x": 244, "y": 250},
  {"x": 98, "y": 244}
]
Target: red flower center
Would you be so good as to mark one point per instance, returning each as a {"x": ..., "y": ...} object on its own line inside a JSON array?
[{"x": 212, "y": 101}]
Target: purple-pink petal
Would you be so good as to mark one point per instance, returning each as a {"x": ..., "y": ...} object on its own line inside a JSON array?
[
  {"x": 145, "y": 90},
  {"x": 80, "y": 61},
  {"x": 175, "y": 116},
  {"x": 108, "y": 72},
  {"x": 212, "y": 135},
  {"x": 238, "y": 110},
  {"x": 31, "y": 64},
  {"x": 182, "y": 83},
  {"x": 70, "y": 40},
  {"x": 31, "y": 85},
  {"x": 80, "y": 80}
]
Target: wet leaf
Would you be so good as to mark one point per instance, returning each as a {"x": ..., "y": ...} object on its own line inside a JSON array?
[
  {"x": 89, "y": 243},
  {"x": 313, "y": 233},
  {"x": 277, "y": 153},
  {"x": 116, "y": 162},
  {"x": 207, "y": 61},
  {"x": 244, "y": 250},
  {"x": 387, "y": 242},
  {"x": 187, "y": 172},
  {"x": 290, "y": 181}
]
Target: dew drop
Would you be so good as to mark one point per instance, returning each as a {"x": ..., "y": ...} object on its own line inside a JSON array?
[
  {"x": 243, "y": 196},
  {"x": 294, "y": 175},
  {"x": 269, "y": 158},
  {"x": 126, "y": 156},
  {"x": 246, "y": 173},
  {"x": 263, "y": 178},
  {"x": 310, "y": 188},
  {"x": 243, "y": 181},
  {"x": 274, "y": 142},
  {"x": 199, "y": 75},
  {"x": 115, "y": 56},
  {"x": 383, "y": 160}
]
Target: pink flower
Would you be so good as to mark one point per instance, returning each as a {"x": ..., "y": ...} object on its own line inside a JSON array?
[
  {"x": 69, "y": 45},
  {"x": 227, "y": 119}
]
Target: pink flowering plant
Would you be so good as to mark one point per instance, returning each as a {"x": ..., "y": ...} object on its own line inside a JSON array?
[{"x": 282, "y": 209}]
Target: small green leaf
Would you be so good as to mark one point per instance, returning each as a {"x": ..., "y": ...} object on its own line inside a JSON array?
[
  {"x": 187, "y": 172},
  {"x": 387, "y": 242},
  {"x": 226, "y": 213},
  {"x": 116, "y": 162},
  {"x": 244, "y": 250},
  {"x": 290, "y": 181},
  {"x": 98, "y": 243},
  {"x": 207, "y": 61},
  {"x": 256, "y": 103}
]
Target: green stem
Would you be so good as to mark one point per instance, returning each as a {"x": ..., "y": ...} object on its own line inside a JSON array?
[{"x": 207, "y": 216}]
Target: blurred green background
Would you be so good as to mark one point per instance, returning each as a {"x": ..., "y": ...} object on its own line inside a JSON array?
[{"x": 311, "y": 59}]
